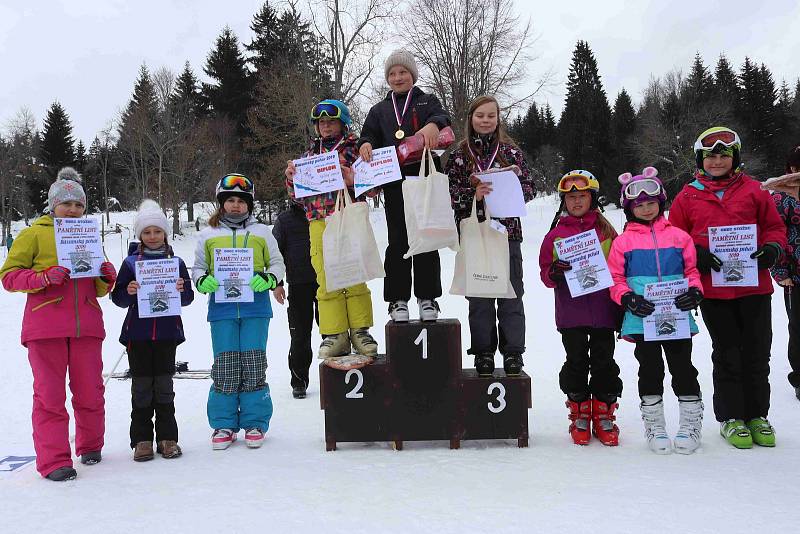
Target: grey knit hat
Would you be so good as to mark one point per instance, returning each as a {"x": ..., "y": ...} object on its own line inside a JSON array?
[
  {"x": 404, "y": 58},
  {"x": 66, "y": 188}
]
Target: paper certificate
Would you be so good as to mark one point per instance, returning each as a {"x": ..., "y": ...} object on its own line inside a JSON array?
[
  {"x": 733, "y": 245},
  {"x": 589, "y": 271},
  {"x": 506, "y": 198},
  {"x": 383, "y": 168},
  {"x": 317, "y": 175},
  {"x": 78, "y": 246},
  {"x": 233, "y": 269},
  {"x": 157, "y": 295},
  {"x": 667, "y": 321}
]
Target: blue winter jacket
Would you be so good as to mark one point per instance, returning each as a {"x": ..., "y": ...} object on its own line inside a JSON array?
[{"x": 151, "y": 328}]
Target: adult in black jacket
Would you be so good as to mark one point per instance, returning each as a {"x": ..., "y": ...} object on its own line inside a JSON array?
[
  {"x": 405, "y": 111},
  {"x": 291, "y": 233}
]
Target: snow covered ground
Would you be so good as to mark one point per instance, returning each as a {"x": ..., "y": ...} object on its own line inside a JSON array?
[{"x": 292, "y": 484}]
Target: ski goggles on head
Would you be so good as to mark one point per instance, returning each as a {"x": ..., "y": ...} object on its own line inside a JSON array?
[
  {"x": 647, "y": 186},
  {"x": 723, "y": 137},
  {"x": 575, "y": 182},
  {"x": 326, "y": 110},
  {"x": 236, "y": 181}
]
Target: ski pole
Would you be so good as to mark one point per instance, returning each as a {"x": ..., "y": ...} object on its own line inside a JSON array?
[{"x": 115, "y": 367}]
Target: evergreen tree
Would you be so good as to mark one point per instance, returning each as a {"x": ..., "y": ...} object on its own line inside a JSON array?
[
  {"x": 137, "y": 126},
  {"x": 757, "y": 97},
  {"x": 623, "y": 127},
  {"x": 80, "y": 157},
  {"x": 726, "y": 88},
  {"x": 786, "y": 129},
  {"x": 187, "y": 98},
  {"x": 229, "y": 95},
  {"x": 699, "y": 84},
  {"x": 58, "y": 148},
  {"x": 585, "y": 122},
  {"x": 548, "y": 121},
  {"x": 526, "y": 131},
  {"x": 263, "y": 46}
]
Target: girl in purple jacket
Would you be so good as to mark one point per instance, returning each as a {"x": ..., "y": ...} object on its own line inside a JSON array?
[
  {"x": 151, "y": 342},
  {"x": 586, "y": 323}
]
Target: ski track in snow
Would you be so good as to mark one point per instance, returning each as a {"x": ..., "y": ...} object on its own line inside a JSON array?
[{"x": 292, "y": 483}]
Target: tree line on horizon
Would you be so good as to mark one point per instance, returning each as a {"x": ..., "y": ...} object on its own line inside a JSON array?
[{"x": 177, "y": 134}]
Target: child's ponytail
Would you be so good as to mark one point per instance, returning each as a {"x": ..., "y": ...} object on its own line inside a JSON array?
[{"x": 606, "y": 228}]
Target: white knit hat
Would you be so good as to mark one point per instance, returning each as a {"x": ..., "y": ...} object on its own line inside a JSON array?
[
  {"x": 66, "y": 188},
  {"x": 150, "y": 214},
  {"x": 404, "y": 58}
]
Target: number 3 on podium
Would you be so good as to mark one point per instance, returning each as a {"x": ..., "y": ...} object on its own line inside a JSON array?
[
  {"x": 422, "y": 339},
  {"x": 501, "y": 397}
]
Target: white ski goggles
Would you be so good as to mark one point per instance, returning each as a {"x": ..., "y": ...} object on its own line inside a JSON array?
[{"x": 647, "y": 186}]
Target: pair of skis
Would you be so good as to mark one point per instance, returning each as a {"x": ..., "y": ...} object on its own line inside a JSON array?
[{"x": 181, "y": 371}]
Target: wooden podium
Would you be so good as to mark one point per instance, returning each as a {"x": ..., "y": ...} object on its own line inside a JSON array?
[{"x": 419, "y": 392}]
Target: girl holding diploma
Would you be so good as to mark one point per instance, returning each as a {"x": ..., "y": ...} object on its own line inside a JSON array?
[
  {"x": 485, "y": 147},
  {"x": 239, "y": 397},
  {"x": 586, "y": 323},
  {"x": 650, "y": 250},
  {"x": 406, "y": 111},
  {"x": 787, "y": 271},
  {"x": 151, "y": 342},
  {"x": 739, "y": 319},
  {"x": 349, "y": 308},
  {"x": 62, "y": 328}
]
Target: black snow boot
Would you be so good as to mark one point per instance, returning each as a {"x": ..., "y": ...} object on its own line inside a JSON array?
[
  {"x": 512, "y": 364},
  {"x": 91, "y": 458},
  {"x": 62, "y": 474},
  {"x": 484, "y": 363}
]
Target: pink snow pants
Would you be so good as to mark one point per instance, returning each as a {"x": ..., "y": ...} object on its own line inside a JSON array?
[{"x": 50, "y": 360}]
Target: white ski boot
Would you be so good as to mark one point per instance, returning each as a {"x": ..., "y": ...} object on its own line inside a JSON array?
[
  {"x": 363, "y": 342},
  {"x": 655, "y": 431},
  {"x": 398, "y": 311},
  {"x": 687, "y": 440},
  {"x": 334, "y": 345},
  {"x": 428, "y": 309}
]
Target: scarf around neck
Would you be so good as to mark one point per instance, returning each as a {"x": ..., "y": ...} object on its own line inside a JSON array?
[{"x": 717, "y": 184}]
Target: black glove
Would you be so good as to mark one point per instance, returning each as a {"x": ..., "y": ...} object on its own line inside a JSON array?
[
  {"x": 557, "y": 270},
  {"x": 767, "y": 255},
  {"x": 637, "y": 304},
  {"x": 689, "y": 300},
  {"x": 706, "y": 260}
]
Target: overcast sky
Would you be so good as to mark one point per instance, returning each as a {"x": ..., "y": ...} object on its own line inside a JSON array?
[{"x": 87, "y": 53}]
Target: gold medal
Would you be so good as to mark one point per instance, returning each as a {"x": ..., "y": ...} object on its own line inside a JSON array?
[{"x": 399, "y": 134}]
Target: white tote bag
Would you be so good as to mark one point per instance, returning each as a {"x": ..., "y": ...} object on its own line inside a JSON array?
[
  {"x": 349, "y": 251},
  {"x": 430, "y": 222},
  {"x": 483, "y": 267}
]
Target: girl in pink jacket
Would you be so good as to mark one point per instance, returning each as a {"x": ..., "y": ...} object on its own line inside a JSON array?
[
  {"x": 62, "y": 328},
  {"x": 648, "y": 251}
]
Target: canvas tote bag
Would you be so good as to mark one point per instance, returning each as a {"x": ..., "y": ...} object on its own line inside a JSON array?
[
  {"x": 349, "y": 251},
  {"x": 430, "y": 222},
  {"x": 483, "y": 266}
]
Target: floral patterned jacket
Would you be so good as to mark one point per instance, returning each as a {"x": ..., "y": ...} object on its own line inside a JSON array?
[{"x": 460, "y": 167}]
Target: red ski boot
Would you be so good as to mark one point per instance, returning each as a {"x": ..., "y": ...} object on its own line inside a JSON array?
[
  {"x": 579, "y": 414},
  {"x": 603, "y": 426}
]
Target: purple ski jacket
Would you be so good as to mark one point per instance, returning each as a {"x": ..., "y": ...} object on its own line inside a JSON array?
[{"x": 595, "y": 310}]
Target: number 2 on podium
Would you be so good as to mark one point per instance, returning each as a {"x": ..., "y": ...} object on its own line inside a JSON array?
[
  {"x": 422, "y": 338},
  {"x": 354, "y": 393}
]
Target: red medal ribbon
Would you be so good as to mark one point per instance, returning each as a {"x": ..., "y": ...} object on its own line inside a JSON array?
[
  {"x": 399, "y": 116},
  {"x": 478, "y": 161}
]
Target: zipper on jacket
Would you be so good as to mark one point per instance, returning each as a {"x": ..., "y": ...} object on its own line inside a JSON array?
[
  {"x": 77, "y": 315},
  {"x": 655, "y": 244},
  {"x": 154, "y": 329}
]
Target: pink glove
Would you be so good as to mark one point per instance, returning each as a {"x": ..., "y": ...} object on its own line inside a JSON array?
[
  {"x": 108, "y": 273},
  {"x": 55, "y": 276}
]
